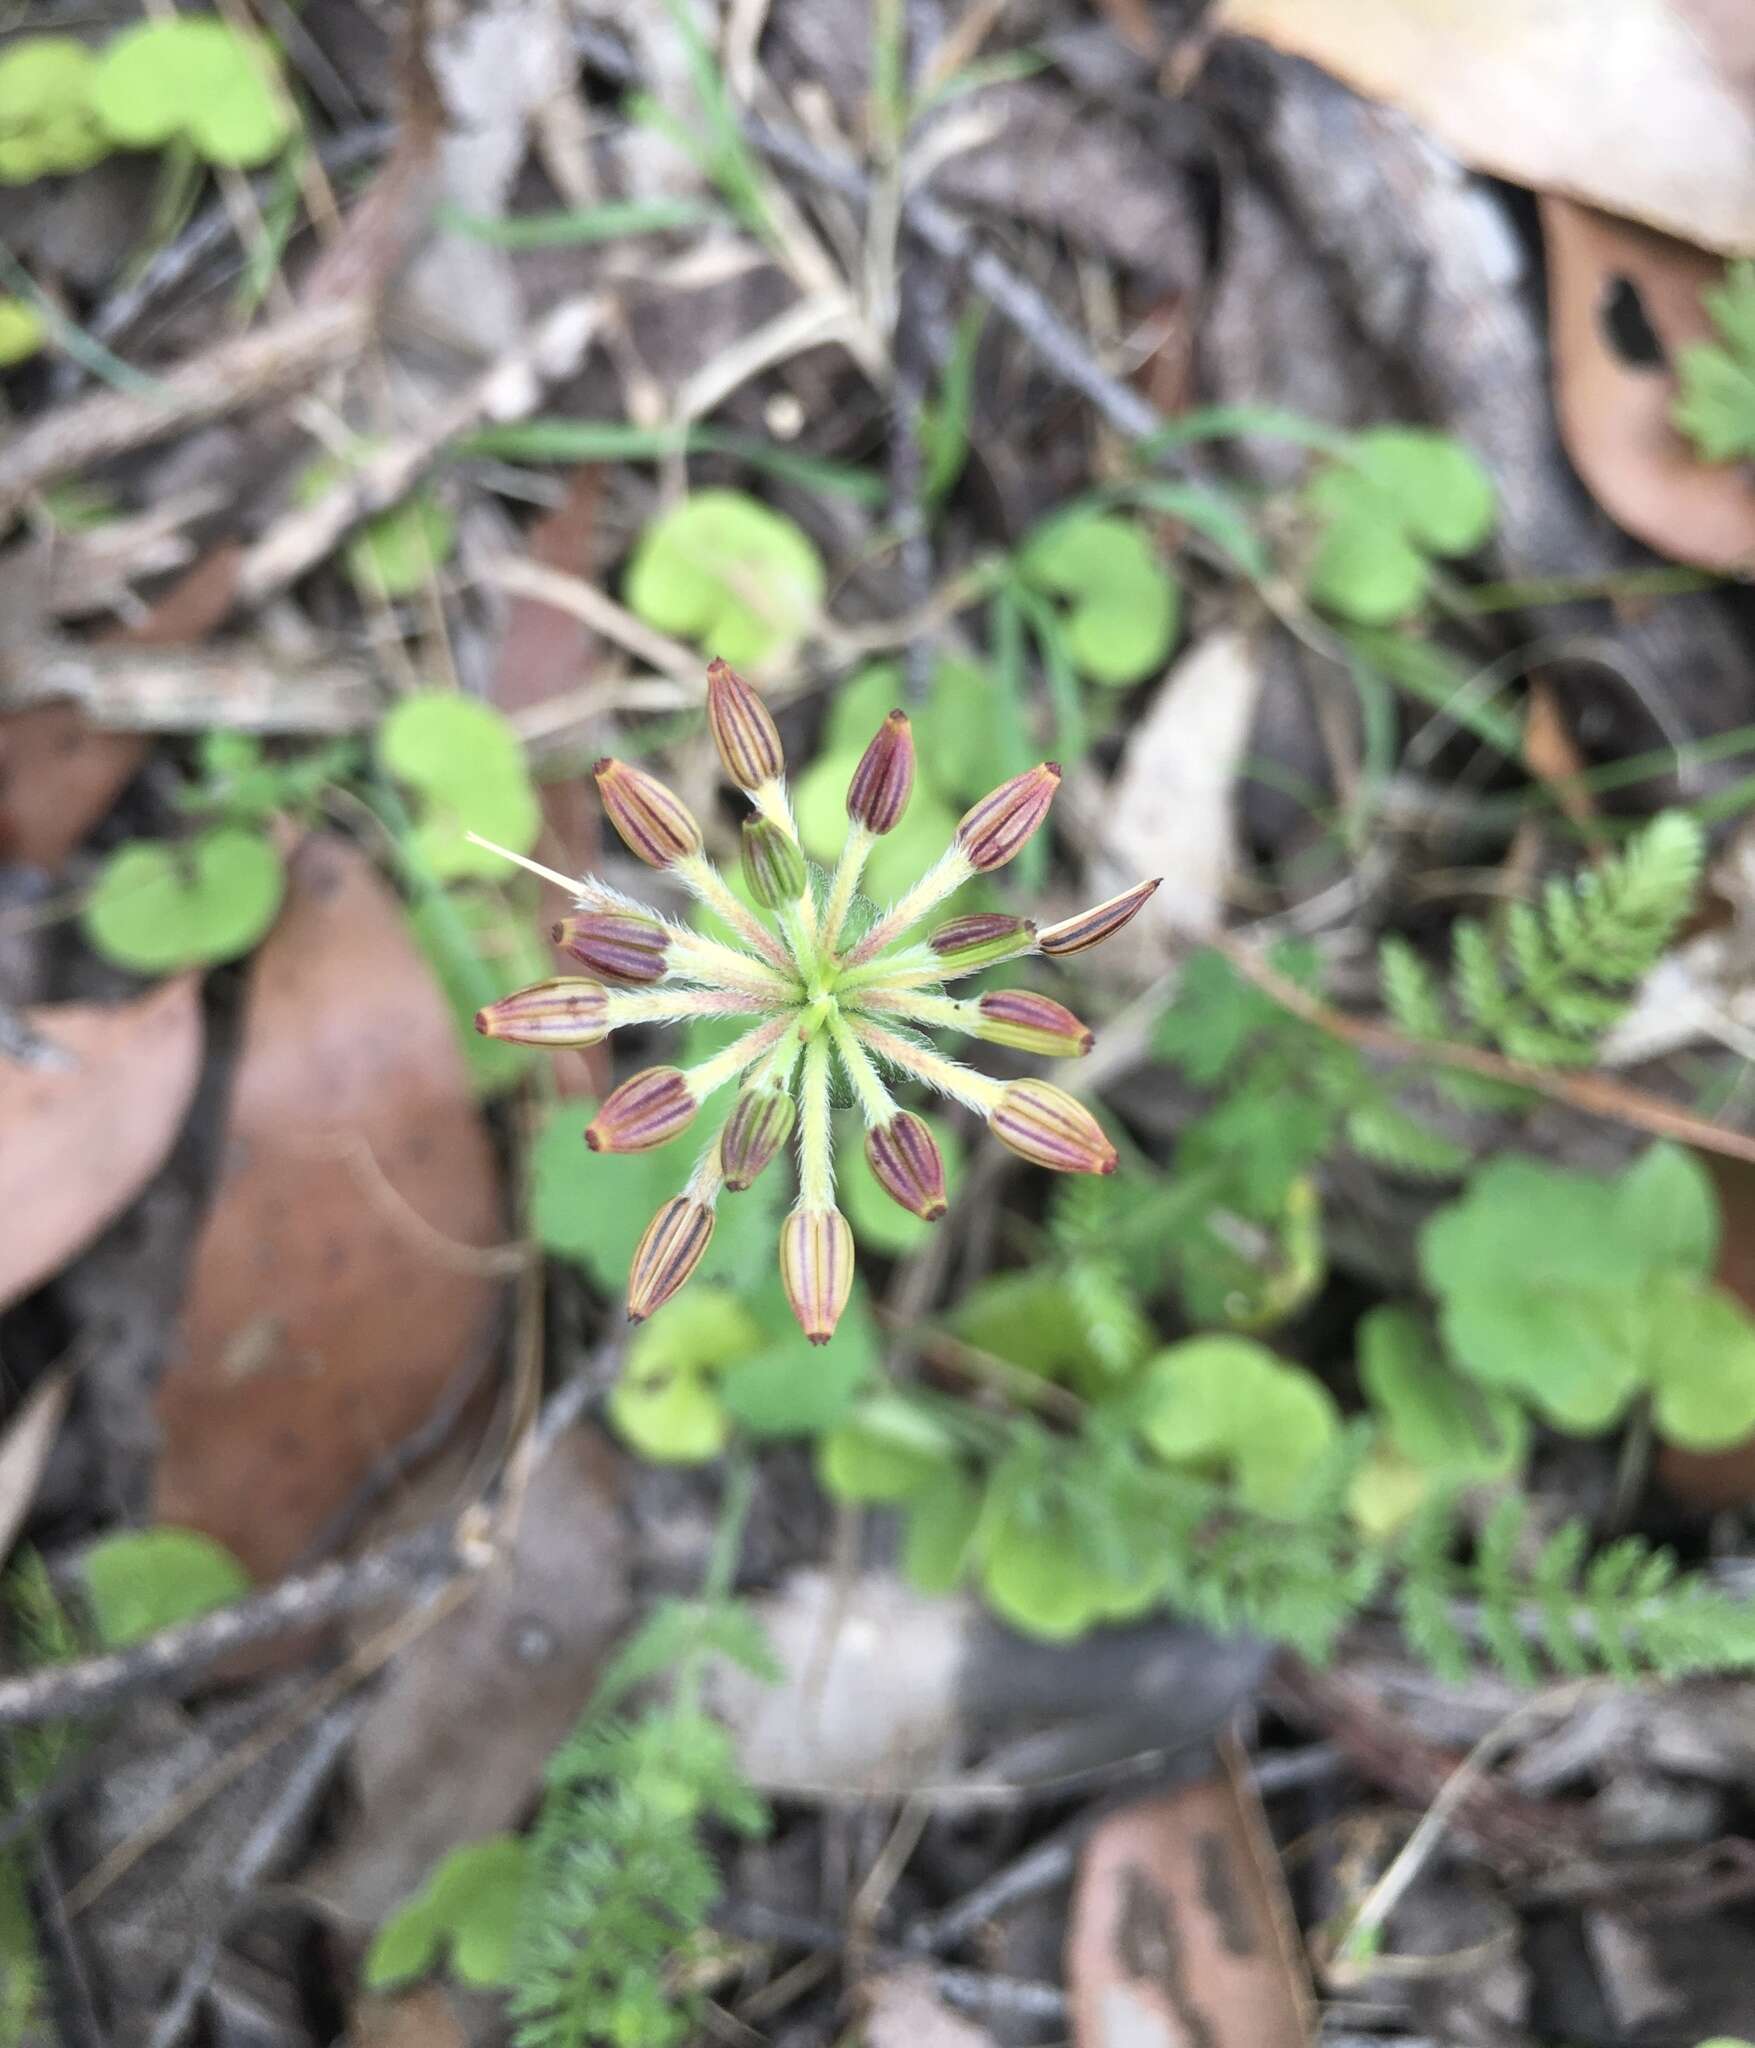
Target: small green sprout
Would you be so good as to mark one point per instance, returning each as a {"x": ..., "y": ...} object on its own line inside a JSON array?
[
  {"x": 829, "y": 982},
  {"x": 195, "y": 80},
  {"x": 1123, "y": 606},
  {"x": 147, "y": 1579},
  {"x": 158, "y": 906},
  {"x": 1579, "y": 1294},
  {"x": 470, "y": 1908},
  {"x": 466, "y": 766},
  {"x": 724, "y": 570},
  {"x": 1407, "y": 496},
  {"x": 22, "y": 332},
  {"x": 47, "y": 123},
  {"x": 1227, "y": 1403}
]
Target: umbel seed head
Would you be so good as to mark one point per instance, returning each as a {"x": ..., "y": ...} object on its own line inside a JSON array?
[{"x": 819, "y": 979}]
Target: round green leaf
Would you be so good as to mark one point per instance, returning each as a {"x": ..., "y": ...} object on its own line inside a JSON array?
[
  {"x": 960, "y": 732},
  {"x": 1387, "y": 1492},
  {"x": 197, "y": 78},
  {"x": 1034, "y": 1320},
  {"x": 1123, "y": 606},
  {"x": 674, "y": 1421},
  {"x": 860, "y": 705},
  {"x": 724, "y": 570},
  {"x": 1703, "y": 1365},
  {"x": 1033, "y": 1574},
  {"x": 473, "y": 1900},
  {"x": 939, "y": 1531},
  {"x": 886, "y": 1450},
  {"x": 1433, "y": 487},
  {"x": 396, "y": 554},
  {"x": 46, "y": 121},
  {"x": 467, "y": 766},
  {"x": 22, "y": 332},
  {"x": 881, "y": 1224},
  {"x": 1229, "y": 1403},
  {"x": 148, "y": 1579},
  {"x": 156, "y": 906},
  {"x": 1363, "y": 568}
]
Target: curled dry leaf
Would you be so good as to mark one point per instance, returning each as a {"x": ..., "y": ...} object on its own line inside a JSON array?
[
  {"x": 339, "y": 1289},
  {"x": 455, "y": 1743},
  {"x": 1615, "y": 411},
  {"x": 1181, "y": 1930},
  {"x": 1642, "y": 108},
  {"x": 1172, "y": 808},
  {"x": 84, "y": 1135}
]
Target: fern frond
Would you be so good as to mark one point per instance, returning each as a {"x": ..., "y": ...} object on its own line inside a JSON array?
[
  {"x": 1410, "y": 991},
  {"x": 1382, "y": 1132}
]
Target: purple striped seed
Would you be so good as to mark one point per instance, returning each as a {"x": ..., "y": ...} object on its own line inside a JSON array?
[
  {"x": 620, "y": 945},
  {"x": 982, "y": 939},
  {"x": 1102, "y": 921},
  {"x": 656, "y": 826},
  {"x": 555, "y": 1014},
  {"x": 882, "y": 783},
  {"x": 1032, "y": 1023},
  {"x": 816, "y": 1269},
  {"x": 745, "y": 734},
  {"x": 1045, "y": 1125},
  {"x": 648, "y": 1109},
  {"x": 668, "y": 1254},
  {"x": 996, "y": 829},
  {"x": 906, "y": 1163},
  {"x": 760, "y": 1122},
  {"x": 773, "y": 866}
]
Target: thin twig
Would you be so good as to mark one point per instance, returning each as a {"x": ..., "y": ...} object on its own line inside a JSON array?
[
  {"x": 174, "y": 1657},
  {"x": 225, "y": 377}
]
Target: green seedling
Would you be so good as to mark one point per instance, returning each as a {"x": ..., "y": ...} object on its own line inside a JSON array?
[
  {"x": 466, "y": 768},
  {"x": 1227, "y": 1405},
  {"x": 1407, "y": 497},
  {"x": 1122, "y": 606},
  {"x": 396, "y": 554},
  {"x": 22, "y": 332},
  {"x": 1437, "y": 1429},
  {"x": 1579, "y": 1294},
  {"x": 468, "y": 1912},
  {"x": 196, "y": 81},
  {"x": 157, "y": 907},
  {"x": 148, "y": 1579},
  {"x": 1036, "y": 1322},
  {"x": 239, "y": 782},
  {"x": 1715, "y": 406},
  {"x": 888, "y": 1450},
  {"x": 47, "y": 123},
  {"x": 727, "y": 572},
  {"x": 666, "y": 1402}
]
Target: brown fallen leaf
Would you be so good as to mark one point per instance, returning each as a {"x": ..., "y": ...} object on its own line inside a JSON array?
[
  {"x": 422, "y": 2018},
  {"x": 1171, "y": 809},
  {"x": 1644, "y": 109},
  {"x": 1615, "y": 411},
  {"x": 59, "y": 772},
  {"x": 83, "y": 1137},
  {"x": 455, "y": 1742},
  {"x": 339, "y": 1290},
  {"x": 1181, "y": 1933}
]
